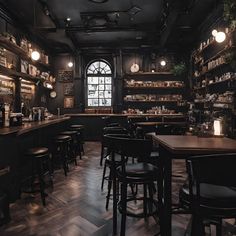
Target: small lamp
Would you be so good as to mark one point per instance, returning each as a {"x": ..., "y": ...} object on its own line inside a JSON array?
[
  {"x": 35, "y": 55},
  {"x": 217, "y": 125}
]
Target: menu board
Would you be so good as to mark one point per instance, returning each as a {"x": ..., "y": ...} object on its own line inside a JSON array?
[{"x": 65, "y": 75}]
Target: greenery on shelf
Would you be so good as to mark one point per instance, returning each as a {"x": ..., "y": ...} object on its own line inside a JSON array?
[
  {"x": 179, "y": 69},
  {"x": 230, "y": 58},
  {"x": 230, "y": 12}
]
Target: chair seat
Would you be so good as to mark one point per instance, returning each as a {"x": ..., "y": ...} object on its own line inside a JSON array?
[
  {"x": 62, "y": 138},
  {"x": 69, "y": 132},
  {"x": 77, "y": 126},
  {"x": 37, "y": 151},
  {"x": 212, "y": 196},
  {"x": 142, "y": 170}
]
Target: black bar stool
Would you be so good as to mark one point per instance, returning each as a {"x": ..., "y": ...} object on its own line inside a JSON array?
[
  {"x": 62, "y": 143},
  {"x": 73, "y": 144},
  {"x": 40, "y": 159},
  {"x": 80, "y": 130}
]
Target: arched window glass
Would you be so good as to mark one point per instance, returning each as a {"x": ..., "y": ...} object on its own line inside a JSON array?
[{"x": 99, "y": 84}]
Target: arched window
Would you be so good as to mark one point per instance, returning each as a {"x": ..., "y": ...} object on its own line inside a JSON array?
[{"x": 99, "y": 84}]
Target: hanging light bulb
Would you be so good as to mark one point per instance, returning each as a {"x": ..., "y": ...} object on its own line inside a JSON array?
[
  {"x": 35, "y": 55},
  {"x": 163, "y": 63},
  {"x": 220, "y": 37},
  {"x": 70, "y": 64},
  {"x": 214, "y": 32}
]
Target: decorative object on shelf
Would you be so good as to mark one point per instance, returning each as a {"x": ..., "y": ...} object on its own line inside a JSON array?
[
  {"x": 3, "y": 59},
  {"x": 24, "y": 66},
  {"x": 53, "y": 94},
  {"x": 134, "y": 68},
  {"x": 9, "y": 36},
  {"x": 32, "y": 70},
  {"x": 230, "y": 58},
  {"x": 69, "y": 102},
  {"x": 24, "y": 45},
  {"x": 179, "y": 69}
]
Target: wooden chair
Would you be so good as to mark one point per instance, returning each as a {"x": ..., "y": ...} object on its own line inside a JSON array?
[{"x": 211, "y": 192}]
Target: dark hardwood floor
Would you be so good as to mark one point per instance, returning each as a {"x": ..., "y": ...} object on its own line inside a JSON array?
[{"x": 76, "y": 205}]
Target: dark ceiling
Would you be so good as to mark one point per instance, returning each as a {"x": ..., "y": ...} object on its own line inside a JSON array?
[{"x": 115, "y": 23}]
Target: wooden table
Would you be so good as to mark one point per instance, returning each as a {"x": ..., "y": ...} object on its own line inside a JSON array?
[
  {"x": 153, "y": 123},
  {"x": 181, "y": 146}
]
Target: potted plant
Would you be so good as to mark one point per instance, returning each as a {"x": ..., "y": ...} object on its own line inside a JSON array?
[{"x": 179, "y": 69}]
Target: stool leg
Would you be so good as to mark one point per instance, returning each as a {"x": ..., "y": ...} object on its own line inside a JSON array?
[
  {"x": 102, "y": 154},
  {"x": 145, "y": 201},
  {"x": 109, "y": 190},
  {"x": 41, "y": 181},
  {"x": 219, "y": 229},
  {"x": 123, "y": 207},
  {"x": 103, "y": 175}
]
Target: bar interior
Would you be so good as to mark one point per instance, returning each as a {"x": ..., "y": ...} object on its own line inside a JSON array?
[{"x": 118, "y": 117}]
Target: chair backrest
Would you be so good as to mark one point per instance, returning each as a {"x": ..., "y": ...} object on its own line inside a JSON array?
[
  {"x": 216, "y": 169},
  {"x": 130, "y": 147},
  {"x": 114, "y": 130}
]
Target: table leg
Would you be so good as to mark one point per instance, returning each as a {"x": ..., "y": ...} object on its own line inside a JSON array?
[
  {"x": 113, "y": 170},
  {"x": 166, "y": 193}
]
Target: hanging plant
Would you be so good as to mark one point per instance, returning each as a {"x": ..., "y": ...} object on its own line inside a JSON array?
[
  {"x": 230, "y": 13},
  {"x": 230, "y": 58},
  {"x": 179, "y": 69}
]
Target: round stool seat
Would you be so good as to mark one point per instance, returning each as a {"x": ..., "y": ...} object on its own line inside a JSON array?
[
  {"x": 37, "y": 151},
  {"x": 69, "y": 132},
  {"x": 62, "y": 138},
  {"x": 77, "y": 126}
]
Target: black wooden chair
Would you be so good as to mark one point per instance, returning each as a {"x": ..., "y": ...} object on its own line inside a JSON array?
[
  {"x": 110, "y": 130},
  {"x": 211, "y": 193},
  {"x": 140, "y": 173}
]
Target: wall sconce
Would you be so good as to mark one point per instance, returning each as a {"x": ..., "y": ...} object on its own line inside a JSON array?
[
  {"x": 220, "y": 37},
  {"x": 35, "y": 55},
  {"x": 163, "y": 63},
  {"x": 70, "y": 64},
  {"x": 217, "y": 125}
]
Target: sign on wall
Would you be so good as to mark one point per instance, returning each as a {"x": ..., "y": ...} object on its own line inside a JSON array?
[
  {"x": 69, "y": 101},
  {"x": 65, "y": 76}
]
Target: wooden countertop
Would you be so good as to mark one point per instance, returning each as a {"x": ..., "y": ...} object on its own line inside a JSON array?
[
  {"x": 126, "y": 115},
  {"x": 30, "y": 126},
  {"x": 147, "y": 123}
]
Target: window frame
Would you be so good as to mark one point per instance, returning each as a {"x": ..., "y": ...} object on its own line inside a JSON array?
[{"x": 99, "y": 75}]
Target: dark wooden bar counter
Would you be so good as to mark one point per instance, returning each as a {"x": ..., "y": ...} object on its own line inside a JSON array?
[
  {"x": 14, "y": 141},
  {"x": 30, "y": 126}
]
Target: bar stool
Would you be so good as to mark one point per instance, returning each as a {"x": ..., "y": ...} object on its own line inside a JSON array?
[
  {"x": 4, "y": 209},
  {"x": 73, "y": 144},
  {"x": 62, "y": 143},
  {"x": 80, "y": 130},
  {"x": 40, "y": 159}
]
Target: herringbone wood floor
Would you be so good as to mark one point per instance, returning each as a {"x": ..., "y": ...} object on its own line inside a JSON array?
[{"x": 76, "y": 205}]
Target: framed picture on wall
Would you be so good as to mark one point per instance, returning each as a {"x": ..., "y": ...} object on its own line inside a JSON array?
[
  {"x": 65, "y": 76},
  {"x": 69, "y": 101},
  {"x": 68, "y": 88}
]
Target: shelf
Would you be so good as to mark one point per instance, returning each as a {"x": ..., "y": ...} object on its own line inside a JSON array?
[
  {"x": 126, "y": 87},
  {"x": 149, "y": 73},
  {"x": 13, "y": 73},
  {"x": 14, "y": 48},
  {"x": 157, "y": 101},
  {"x": 201, "y": 88}
]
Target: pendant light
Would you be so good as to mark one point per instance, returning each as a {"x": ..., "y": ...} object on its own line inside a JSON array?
[
  {"x": 35, "y": 55},
  {"x": 70, "y": 64},
  {"x": 220, "y": 37}
]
